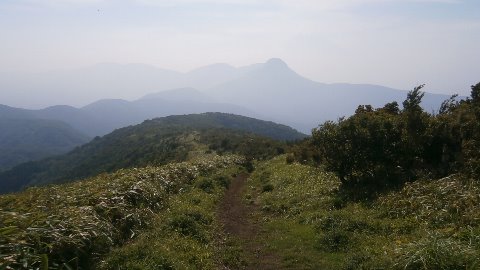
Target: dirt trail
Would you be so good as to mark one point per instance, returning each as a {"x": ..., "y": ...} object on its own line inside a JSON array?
[{"x": 242, "y": 221}]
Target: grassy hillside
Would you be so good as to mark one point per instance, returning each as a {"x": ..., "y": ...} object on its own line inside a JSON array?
[
  {"x": 432, "y": 224},
  {"x": 154, "y": 142},
  {"x": 23, "y": 140},
  {"x": 167, "y": 218},
  {"x": 74, "y": 225}
]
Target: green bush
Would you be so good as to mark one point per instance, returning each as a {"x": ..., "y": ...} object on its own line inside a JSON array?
[
  {"x": 377, "y": 150},
  {"x": 189, "y": 224},
  {"x": 206, "y": 185},
  {"x": 223, "y": 181},
  {"x": 290, "y": 158},
  {"x": 267, "y": 187}
]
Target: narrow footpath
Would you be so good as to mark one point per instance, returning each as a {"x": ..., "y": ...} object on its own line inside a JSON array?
[{"x": 243, "y": 222}]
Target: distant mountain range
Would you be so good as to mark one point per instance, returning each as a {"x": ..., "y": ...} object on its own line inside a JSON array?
[
  {"x": 268, "y": 90},
  {"x": 154, "y": 142},
  {"x": 106, "y": 115},
  {"x": 79, "y": 87},
  {"x": 280, "y": 94}
]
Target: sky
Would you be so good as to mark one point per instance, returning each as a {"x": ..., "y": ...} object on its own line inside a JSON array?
[{"x": 395, "y": 43}]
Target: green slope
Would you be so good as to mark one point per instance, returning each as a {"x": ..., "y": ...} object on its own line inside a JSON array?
[
  {"x": 428, "y": 224},
  {"x": 72, "y": 226},
  {"x": 232, "y": 121},
  {"x": 154, "y": 142},
  {"x": 23, "y": 140}
]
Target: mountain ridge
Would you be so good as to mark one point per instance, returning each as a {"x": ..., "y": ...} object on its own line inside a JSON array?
[
  {"x": 156, "y": 141},
  {"x": 270, "y": 90}
]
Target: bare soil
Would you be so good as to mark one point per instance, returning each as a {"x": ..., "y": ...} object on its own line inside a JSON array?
[{"x": 243, "y": 222}]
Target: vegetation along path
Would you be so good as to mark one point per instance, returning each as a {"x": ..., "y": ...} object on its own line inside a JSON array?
[{"x": 243, "y": 222}]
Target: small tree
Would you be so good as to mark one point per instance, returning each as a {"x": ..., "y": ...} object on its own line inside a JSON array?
[
  {"x": 449, "y": 105},
  {"x": 391, "y": 108},
  {"x": 475, "y": 94},
  {"x": 414, "y": 98}
]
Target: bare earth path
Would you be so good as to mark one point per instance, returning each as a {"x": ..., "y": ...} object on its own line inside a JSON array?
[{"x": 243, "y": 222}]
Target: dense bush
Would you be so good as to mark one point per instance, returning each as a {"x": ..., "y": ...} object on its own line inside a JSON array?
[{"x": 378, "y": 149}]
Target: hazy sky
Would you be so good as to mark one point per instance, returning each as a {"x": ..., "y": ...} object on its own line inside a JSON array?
[{"x": 397, "y": 43}]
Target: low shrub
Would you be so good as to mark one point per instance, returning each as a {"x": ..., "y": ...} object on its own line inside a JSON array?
[
  {"x": 267, "y": 187},
  {"x": 437, "y": 252},
  {"x": 206, "y": 185}
]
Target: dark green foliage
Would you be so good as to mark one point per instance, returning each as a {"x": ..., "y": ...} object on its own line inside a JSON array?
[
  {"x": 267, "y": 187},
  {"x": 249, "y": 165},
  {"x": 475, "y": 94},
  {"x": 249, "y": 145},
  {"x": 233, "y": 122},
  {"x": 414, "y": 98},
  {"x": 379, "y": 149},
  {"x": 363, "y": 149},
  {"x": 222, "y": 180},
  {"x": 206, "y": 185},
  {"x": 305, "y": 152},
  {"x": 449, "y": 105},
  {"x": 290, "y": 158},
  {"x": 391, "y": 108},
  {"x": 189, "y": 224},
  {"x": 154, "y": 142}
]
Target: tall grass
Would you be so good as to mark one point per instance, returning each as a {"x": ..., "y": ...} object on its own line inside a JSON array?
[
  {"x": 428, "y": 224},
  {"x": 72, "y": 225}
]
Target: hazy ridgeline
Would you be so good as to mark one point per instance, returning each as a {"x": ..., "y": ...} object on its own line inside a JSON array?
[{"x": 109, "y": 96}]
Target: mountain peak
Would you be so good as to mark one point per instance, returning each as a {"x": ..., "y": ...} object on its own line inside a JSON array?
[
  {"x": 276, "y": 62},
  {"x": 276, "y": 67}
]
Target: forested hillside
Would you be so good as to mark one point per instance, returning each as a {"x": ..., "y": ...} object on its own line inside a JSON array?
[{"x": 155, "y": 142}]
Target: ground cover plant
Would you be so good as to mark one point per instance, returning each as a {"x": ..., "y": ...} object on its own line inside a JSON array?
[
  {"x": 429, "y": 224},
  {"x": 186, "y": 235},
  {"x": 72, "y": 225}
]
